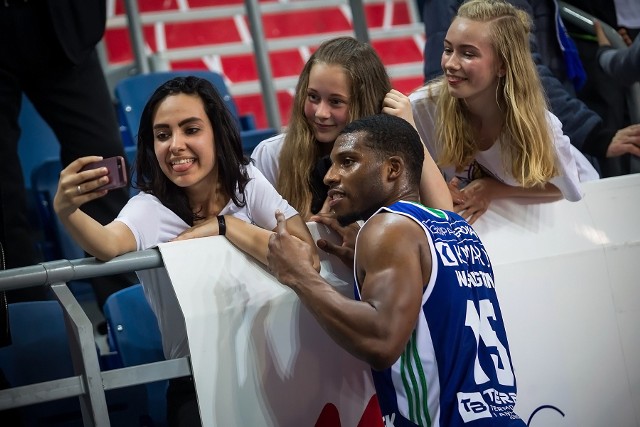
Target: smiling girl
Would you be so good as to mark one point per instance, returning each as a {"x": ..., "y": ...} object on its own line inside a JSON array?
[
  {"x": 343, "y": 80},
  {"x": 486, "y": 122},
  {"x": 194, "y": 181}
]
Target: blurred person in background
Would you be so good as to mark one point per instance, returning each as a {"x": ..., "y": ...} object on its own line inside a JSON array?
[
  {"x": 48, "y": 54},
  {"x": 558, "y": 65}
]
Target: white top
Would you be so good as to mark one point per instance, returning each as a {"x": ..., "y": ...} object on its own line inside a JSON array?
[
  {"x": 152, "y": 223},
  {"x": 573, "y": 167},
  {"x": 266, "y": 156},
  {"x": 627, "y": 13}
]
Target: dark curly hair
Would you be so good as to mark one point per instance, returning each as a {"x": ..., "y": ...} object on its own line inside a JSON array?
[
  {"x": 391, "y": 136},
  {"x": 229, "y": 154}
]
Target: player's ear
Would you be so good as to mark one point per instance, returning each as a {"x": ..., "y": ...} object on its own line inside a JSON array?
[{"x": 395, "y": 167}]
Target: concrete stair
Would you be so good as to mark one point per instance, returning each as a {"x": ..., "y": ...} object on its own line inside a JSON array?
[{"x": 214, "y": 34}]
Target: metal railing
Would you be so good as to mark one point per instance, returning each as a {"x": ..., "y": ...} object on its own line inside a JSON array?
[{"x": 89, "y": 383}]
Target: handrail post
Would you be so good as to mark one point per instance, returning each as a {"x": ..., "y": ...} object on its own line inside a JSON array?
[
  {"x": 264, "y": 66},
  {"x": 359, "y": 21},
  {"x": 93, "y": 402},
  {"x": 136, "y": 35}
]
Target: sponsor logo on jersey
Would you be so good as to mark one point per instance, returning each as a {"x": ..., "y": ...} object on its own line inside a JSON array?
[{"x": 472, "y": 407}]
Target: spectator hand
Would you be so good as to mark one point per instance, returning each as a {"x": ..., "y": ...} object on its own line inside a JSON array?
[
  {"x": 601, "y": 36},
  {"x": 348, "y": 233},
  {"x": 625, "y": 36},
  {"x": 474, "y": 199},
  {"x": 456, "y": 194},
  {"x": 626, "y": 140},
  {"x": 603, "y": 40},
  {"x": 289, "y": 258},
  {"x": 397, "y": 104},
  {"x": 76, "y": 188}
]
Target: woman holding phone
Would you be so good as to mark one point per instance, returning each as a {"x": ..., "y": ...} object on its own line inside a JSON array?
[{"x": 194, "y": 181}]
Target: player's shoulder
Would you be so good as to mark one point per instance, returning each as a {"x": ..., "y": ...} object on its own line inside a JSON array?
[{"x": 388, "y": 228}]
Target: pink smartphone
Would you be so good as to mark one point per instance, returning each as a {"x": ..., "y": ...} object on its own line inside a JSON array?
[{"x": 117, "y": 172}]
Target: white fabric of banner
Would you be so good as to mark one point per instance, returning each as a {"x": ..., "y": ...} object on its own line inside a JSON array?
[
  {"x": 566, "y": 275},
  {"x": 567, "y": 279},
  {"x": 259, "y": 357}
]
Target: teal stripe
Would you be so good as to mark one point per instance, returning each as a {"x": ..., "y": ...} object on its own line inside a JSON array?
[{"x": 415, "y": 413}]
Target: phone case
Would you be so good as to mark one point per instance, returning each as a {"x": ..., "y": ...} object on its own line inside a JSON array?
[{"x": 117, "y": 172}]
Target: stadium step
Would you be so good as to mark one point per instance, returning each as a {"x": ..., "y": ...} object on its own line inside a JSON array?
[{"x": 214, "y": 35}]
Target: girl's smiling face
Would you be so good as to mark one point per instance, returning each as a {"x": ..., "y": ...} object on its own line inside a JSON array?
[
  {"x": 327, "y": 105},
  {"x": 183, "y": 140},
  {"x": 469, "y": 61}
]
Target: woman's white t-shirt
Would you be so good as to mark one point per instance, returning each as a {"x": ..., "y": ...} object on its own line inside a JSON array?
[
  {"x": 152, "y": 223},
  {"x": 573, "y": 166}
]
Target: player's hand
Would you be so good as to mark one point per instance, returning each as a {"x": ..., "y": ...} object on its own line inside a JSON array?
[{"x": 289, "y": 258}]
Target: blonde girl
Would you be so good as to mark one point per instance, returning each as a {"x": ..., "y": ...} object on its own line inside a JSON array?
[{"x": 486, "y": 121}]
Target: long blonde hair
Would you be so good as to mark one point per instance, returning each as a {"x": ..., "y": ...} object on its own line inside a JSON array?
[
  {"x": 369, "y": 83},
  {"x": 527, "y": 149}
]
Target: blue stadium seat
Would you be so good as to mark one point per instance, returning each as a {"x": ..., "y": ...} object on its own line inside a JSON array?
[
  {"x": 37, "y": 144},
  {"x": 57, "y": 244},
  {"x": 44, "y": 184},
  {"x": 54, "y": 242},
  {"x": 39, "y": 153},
  {"x": 134, "y": 336},
  {"x": 40, "y": 352},
  {"x": 37, "y": 141},
  {"x": 133, "y": 92}
]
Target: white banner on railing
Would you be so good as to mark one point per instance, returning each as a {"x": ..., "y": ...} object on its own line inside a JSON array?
[
  {"x": 259, "y": 357},
  {"x": 567, "y": 279},
  {"x": 566, "y": 275}
]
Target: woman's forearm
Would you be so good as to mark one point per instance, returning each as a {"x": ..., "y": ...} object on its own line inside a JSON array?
[
  {"x": 501, "y": 191},
  {"x": 255, "y": 240},
  {"x": 102, "y": 242},
  {"x": 248, "y": 237}
]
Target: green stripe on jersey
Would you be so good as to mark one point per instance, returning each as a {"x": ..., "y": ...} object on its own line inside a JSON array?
[
  {"x": 412, "y": 372},
  {"x": 435, "y": 212}
]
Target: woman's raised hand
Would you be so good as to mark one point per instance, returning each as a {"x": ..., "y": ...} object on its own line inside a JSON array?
[{"x": 77, "y": 187}]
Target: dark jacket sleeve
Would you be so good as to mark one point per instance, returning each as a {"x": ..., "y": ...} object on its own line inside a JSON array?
[
  {"x": 621, "y": 64},
  {"x": 581, "y": 124},
  {"x": 79, "y": 25}
]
